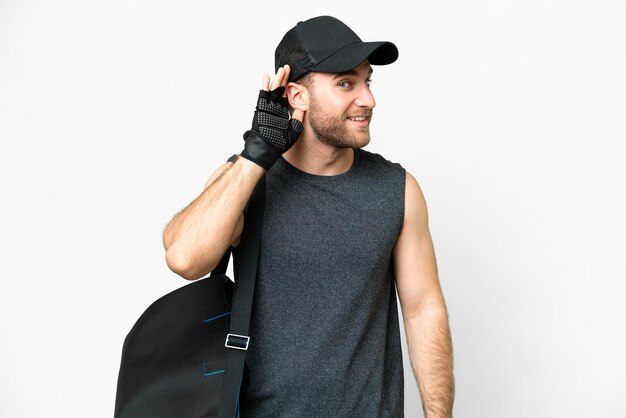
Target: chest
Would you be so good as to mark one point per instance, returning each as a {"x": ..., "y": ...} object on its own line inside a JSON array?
[{"x": 336, "y": 224}]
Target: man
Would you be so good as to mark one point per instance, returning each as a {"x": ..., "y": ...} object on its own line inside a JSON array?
[{"x": 343, "y": 228}]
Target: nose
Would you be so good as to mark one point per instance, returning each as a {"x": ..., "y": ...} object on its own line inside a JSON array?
[{"x": 365, "y": 98}]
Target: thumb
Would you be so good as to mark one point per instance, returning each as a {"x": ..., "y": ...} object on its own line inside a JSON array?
[{"x": 298, "y": 114}]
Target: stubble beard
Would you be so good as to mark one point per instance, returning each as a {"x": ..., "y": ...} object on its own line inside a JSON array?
[{"x": 332, "y": 130}]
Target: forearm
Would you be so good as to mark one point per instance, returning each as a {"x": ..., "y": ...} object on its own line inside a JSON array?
[
  {"x": 430, "y": 350},
  {"x": 197, "y": 237}
]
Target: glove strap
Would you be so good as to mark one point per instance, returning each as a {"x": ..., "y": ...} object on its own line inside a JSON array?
[{"x": 259, "y": 151}]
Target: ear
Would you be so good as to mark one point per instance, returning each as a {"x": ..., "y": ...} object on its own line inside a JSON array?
[{"x": 298, "y": 96}]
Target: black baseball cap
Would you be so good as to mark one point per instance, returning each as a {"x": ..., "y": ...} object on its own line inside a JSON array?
[{"x": 326, "y": 44}]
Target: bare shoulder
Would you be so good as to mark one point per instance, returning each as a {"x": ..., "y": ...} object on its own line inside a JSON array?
[{"x": 415, "y": 209}]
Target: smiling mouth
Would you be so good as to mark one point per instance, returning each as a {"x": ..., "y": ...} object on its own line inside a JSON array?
[
  {"x": 360, "y": 121},
  {"x": 360, "y": 117}
]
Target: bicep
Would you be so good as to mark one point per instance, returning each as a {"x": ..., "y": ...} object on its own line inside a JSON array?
[{"x": 414, "y": 260}]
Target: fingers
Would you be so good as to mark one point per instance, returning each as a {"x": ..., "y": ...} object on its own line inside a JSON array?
[
  {"x": 280, "y": 79},
  {"x": 285, "y": 79},
  {"x": 266, "y": 82}
]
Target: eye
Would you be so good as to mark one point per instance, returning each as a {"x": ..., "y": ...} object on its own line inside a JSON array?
[
  {"x": 369, "y": 82},
  {"x": 344, "y": 83}
]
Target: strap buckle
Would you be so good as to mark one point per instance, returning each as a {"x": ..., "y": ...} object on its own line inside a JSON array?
[{"x": 239, "y": 342}]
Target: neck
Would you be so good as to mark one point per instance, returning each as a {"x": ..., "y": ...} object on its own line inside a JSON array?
[{"x": 312, "y": 156}]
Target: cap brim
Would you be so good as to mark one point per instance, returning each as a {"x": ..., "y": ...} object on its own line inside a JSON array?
[{"x": 378, "y": 53}]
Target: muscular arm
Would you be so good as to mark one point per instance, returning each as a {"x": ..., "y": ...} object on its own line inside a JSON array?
[
  {"x": 197, "y": 237},
  {"x": 423, "y": 307}
]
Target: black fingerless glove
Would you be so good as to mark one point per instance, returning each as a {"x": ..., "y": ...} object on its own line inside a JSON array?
[{"x": 273, "y": 131}]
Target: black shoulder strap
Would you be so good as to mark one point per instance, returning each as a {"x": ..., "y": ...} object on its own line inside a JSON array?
[{"x": 238, "y": 339}]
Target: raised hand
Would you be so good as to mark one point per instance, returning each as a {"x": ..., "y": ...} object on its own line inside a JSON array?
[{"x": 273, "y": 130}]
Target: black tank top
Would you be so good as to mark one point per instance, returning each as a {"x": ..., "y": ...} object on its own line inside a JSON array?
[{"x": 324, "y": 333}]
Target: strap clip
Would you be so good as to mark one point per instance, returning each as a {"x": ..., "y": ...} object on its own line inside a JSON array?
[{"x": 239, "y": 342}]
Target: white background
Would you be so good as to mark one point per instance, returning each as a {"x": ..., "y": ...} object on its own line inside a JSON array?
[{"x": 113, "y": 114}]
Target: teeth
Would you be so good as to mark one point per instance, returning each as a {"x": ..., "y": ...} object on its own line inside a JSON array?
[{"x": 358, "y": 118}]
